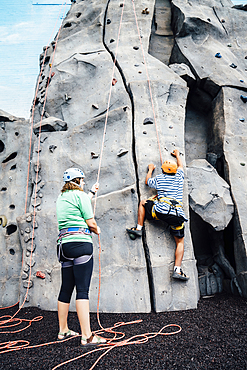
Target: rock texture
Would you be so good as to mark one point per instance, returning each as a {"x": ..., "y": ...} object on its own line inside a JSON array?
[
  {"x": 14, "y": 153},
  {"x": 193, "y": 104},
  {"x": 209, "y": 194}
]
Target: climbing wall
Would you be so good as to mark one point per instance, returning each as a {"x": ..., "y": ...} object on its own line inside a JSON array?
[
  {"x": 69, "y": 118},
  {"x": 14, "y": 153}
]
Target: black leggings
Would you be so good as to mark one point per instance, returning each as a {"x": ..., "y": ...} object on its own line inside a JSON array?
[{"x": 76, "y": 275}]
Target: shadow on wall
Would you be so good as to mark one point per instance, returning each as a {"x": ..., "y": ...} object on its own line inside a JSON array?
[{"x": 214, "y": 250}]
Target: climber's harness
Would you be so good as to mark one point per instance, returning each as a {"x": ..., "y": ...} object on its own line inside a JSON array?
[
  {"x": 68, "y": 232},
  {"x": 173, "y": 203}
]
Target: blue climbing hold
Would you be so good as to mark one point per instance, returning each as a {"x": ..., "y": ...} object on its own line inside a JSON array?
[
  {"x": 241, "y": 119},
  {"x": 241, "y": 80},
  {"x": 218, "y": 55},
  {"x": 244, "y": 98}
]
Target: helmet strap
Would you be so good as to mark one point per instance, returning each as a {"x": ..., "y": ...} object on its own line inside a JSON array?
[{"x": 74, "y": 183}]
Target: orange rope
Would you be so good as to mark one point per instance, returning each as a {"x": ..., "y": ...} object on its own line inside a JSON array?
[{"x": 148, "y": 79}]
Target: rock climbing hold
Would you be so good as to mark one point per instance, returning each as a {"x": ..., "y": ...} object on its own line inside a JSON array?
[
  {"x": 50, "y": 65},
  {"x": 243, "y": 98},
  {"x": 40, "y": 275},
  {"x": 132, "y": 236},
  {"x": 67, "y": 97},
  {"x": 170, "y": 126},
  {"x": 148, "y": 121},
  {"x": 136, "y": 65},
  {"x": 229, "y": 45},
  {"x": 125, "y": 108},
  {"x": 99, "y": 24},
  {"x": 52, "y": 148},
  {"x": 122, "y": 152},
  {"x": 28, "y": 284},
  {"x": 233, "y": 65},
  {"x": 241, "y": 81},
  {"x": 135, "y": 47},
  {"x": 209, "y": 20},
  {"x": 95, "y": 106},
  {"x": 139, "y": 71},
  {"x": 112, "y": 40},
  {"x": 218, "y": 55},
  {"x": 53, "y": 74},
  {"x": 242, "y": 164},
  {"x": 114, "y": 81},
  {"x": 145, "y": 11},
  {"x": 94, "y": 155},
  {"x": 145, "y": 132},
  {"x": 222, "y": 20},
  {"x": 108, "y": 21},
  {"x": 121, "y": 5},
  {"x": 241, "y": 119},
  {"x": 3, "y": 220}
]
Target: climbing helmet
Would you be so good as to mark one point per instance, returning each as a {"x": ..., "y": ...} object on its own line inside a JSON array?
[
  {"x": 72, "y": 173},
  {"x": 169, "y": 167}
]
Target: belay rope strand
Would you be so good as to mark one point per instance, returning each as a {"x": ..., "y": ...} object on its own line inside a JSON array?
[{"x": 118, "y": 337}]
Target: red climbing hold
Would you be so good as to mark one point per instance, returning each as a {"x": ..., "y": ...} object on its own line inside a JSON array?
[
  {"x": 53, "y": 73},
  {"x": 40, "y": 275},
  {"x": 114, "y": 81}
]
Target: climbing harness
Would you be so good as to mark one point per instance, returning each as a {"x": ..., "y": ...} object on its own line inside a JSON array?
[
  {"x": 68, "y": 232},
  {"x": 173, "y": 203}
]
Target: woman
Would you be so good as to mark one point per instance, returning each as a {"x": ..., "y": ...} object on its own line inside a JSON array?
[{"x": 75, "y": 251}]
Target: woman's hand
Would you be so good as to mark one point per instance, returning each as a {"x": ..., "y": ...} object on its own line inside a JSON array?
[
  {"x": 91, "y": 223},
  {"x": 93, "y": 190},
  {"x": 95, "y": 187}
]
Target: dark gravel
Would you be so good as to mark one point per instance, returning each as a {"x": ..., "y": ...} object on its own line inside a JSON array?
[{"x": 213, "y": 337}]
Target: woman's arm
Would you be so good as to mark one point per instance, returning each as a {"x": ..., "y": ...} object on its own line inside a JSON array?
[{"x": 91, "y": 223}]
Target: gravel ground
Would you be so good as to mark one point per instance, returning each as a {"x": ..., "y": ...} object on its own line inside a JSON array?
[{"x": 213, "y": 337}]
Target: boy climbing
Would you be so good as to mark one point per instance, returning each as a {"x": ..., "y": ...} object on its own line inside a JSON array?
[{"x": 166, "y": 206}]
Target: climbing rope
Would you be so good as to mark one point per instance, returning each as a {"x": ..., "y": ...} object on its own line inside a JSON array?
[
  {"x": 118, "y": 336},
  {"x": 148, "y": 79}
]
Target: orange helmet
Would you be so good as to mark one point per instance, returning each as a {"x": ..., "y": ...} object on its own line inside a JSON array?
[{"x": 169, "y": 167}]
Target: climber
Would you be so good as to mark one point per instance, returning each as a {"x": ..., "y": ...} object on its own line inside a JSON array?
[
  {"x": 75, "y": 252},
  {"x": 166, "y": 206}
]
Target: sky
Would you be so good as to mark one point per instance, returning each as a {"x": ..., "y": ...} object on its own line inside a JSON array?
[{"x": 26, "y": 26}]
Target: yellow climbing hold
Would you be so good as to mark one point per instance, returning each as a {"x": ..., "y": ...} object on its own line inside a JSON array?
[{"x": 3, "y": 220}]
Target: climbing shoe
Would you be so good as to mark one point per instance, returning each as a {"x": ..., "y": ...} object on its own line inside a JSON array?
[
  {"x": 180, "y": 275},
  {"x": 134, "y": 231}
]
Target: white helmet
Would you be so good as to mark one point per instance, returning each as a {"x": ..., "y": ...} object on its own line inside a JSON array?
[{"x": 72, "y": 173}]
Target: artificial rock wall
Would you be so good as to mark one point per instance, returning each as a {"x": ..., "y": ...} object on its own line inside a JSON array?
[{"x": 68, "y": 131}]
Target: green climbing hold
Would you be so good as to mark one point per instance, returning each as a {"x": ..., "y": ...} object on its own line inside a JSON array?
[
  {"x": 242, "y": 164},
  {"x": 132, "y": 236}
]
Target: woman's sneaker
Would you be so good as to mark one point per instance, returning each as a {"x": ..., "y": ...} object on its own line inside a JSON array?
[{"x": 180, "y": 275}]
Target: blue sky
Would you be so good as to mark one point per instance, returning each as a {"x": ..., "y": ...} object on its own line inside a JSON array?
[{"x": 25, "y": 27}]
